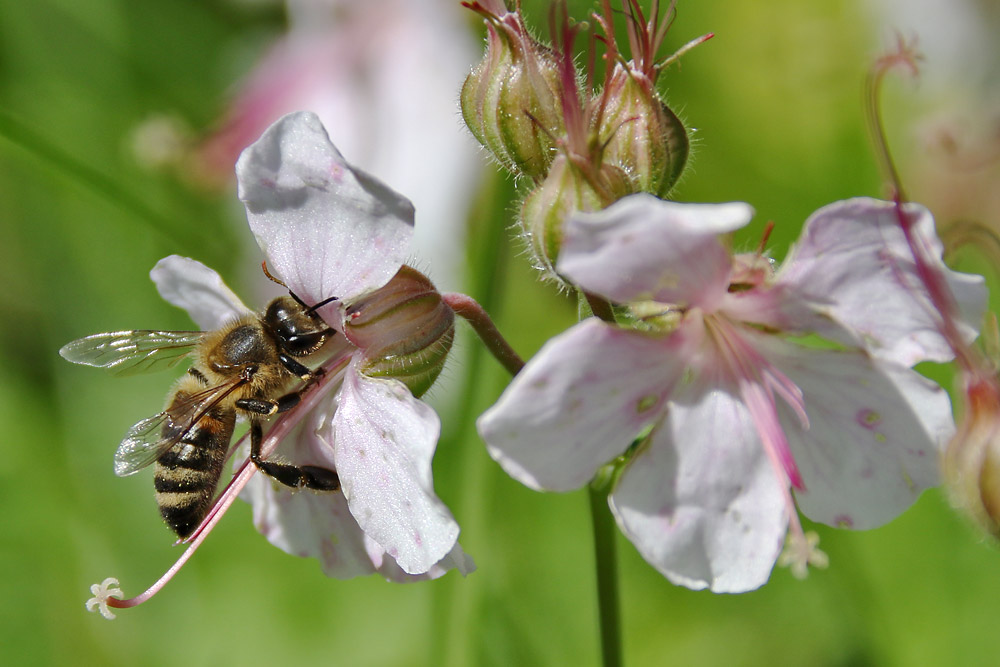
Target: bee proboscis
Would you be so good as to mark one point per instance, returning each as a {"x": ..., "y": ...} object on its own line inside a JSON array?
[{"x": 241, "y": 369}]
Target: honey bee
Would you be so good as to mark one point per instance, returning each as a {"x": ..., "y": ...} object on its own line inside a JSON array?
[{"x": 239, "y": 370}]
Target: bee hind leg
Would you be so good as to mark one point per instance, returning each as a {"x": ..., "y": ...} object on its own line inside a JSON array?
[{"x": 298, "y": 477}]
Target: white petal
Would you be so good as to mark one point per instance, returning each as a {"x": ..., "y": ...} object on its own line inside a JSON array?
[
  {"x": 385, "y": 439},
  {"x": 456, "y": 559},
  {"x": 876, "y": 430},
  {"x": 643, "y": 248},
  {"x": 305, "y": 523},
  {"x": 701, "y": 501},
  {"x": 853, "y": 263},
  {"x": 326, "y": 228},
  {"x": 189, "y": 284},
  {"x": 579, "y": 403},
  {"x": 309, "y": 525},
  {"x": 320, "y": 526}
]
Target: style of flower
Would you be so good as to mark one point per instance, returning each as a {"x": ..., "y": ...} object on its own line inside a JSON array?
[{"x": 706, "y": 494}]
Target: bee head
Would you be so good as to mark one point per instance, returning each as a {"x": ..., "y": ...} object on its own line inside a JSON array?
[{"x": 298, "y": 329}]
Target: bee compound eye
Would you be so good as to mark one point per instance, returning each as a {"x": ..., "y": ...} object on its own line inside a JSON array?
[{"x": 303, "y": 344}]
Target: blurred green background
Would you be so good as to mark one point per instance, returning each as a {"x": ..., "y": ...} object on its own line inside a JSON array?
[{"x": 776, "y": 100}]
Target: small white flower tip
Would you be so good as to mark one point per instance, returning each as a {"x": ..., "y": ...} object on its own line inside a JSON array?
[
  {"x": 800, "y": 552},
  {"x": 102, "y": 592}
]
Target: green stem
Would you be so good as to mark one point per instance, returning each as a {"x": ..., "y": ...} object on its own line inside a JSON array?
[{"x": 606, "y": 564}]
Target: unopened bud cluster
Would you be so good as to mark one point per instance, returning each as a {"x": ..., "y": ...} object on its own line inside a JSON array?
[
  {"x": 404, "y": 329},
  {"x": 582, "y": 149}
]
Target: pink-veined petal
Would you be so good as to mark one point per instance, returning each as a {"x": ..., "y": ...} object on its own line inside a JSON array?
[
  {"x": 326, "y": 228},
  {"x": 189, "y": 284},
  {"x": 876, "y": 431},
  {"x": 701, "y": 501},
  {"x": 580, "y": 402},
  {"x": 305, "y": 523},
  {"x": 385, "y": 439},
  {"x": 642, "y": 248},
  {"x": 852, "y": 263}
]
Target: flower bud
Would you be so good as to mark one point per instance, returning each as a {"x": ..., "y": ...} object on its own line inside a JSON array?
[
  {"x": 511, "y": 100},
  {"x": 643, "y": 135},
  {"x": 404, "y": 329},
  {"x": 567, "y": 189},
  {"x": 972, "y": 458}
]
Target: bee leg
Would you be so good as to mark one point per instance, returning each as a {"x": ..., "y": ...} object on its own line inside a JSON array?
[
  {"x": 297, "y": 369},
  {"x": 266, "y": 406},
  {"x": 297, "y": 477}
]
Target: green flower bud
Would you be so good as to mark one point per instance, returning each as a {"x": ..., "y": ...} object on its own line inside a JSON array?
[
  {"x": 567, "y": 189},
  {"x": 643, "y": 135},
  {"x": 972, "y": 459},
  {"x": 404, "y": 329},
  {"x": 511, "y": 100}
]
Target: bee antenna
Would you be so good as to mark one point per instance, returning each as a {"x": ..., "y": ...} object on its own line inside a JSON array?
[
  {"x": 309, "y": 309},
  {"x": 267, "y": 273},
  {"x": 312, "y": 309}
]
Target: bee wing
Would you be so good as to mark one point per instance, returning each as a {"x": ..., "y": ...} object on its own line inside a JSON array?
[
  {"x": 150, "y": 438},
  {"x": 143, "y": 444},
  {"x": 132, "y": 352}
]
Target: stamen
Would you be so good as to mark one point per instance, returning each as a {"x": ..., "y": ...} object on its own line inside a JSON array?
[
  {"x": 772, "y": 435},
  {"x": 802, "y": 550},
  {"x": 789, "y": 391},
  {"x": 756, "y": 378},
  {"x": 762, "y": 246},
  {"x": 103, "y": 593}
]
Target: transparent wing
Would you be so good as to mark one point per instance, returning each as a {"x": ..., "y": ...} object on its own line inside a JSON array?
[
  {"x": 150, "y": 438},
  {"x": 132, "y": 352}
]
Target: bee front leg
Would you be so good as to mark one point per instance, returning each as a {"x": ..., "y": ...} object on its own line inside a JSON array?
[
  {"x": 267, "y": 406},
  {"x": 297, "y": 477},
  {"x": 299, "y": 370}
]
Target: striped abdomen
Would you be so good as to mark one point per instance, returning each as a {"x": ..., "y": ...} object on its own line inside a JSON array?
[{"x": 187, "y": 474}]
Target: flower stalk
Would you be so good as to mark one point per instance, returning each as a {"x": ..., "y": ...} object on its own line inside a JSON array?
[
  {"x": 606, "y": 566},
  {"x": 469, "y": 309}
]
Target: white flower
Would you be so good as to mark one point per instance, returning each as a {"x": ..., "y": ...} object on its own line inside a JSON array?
[{"x": 738, "y": 411}]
